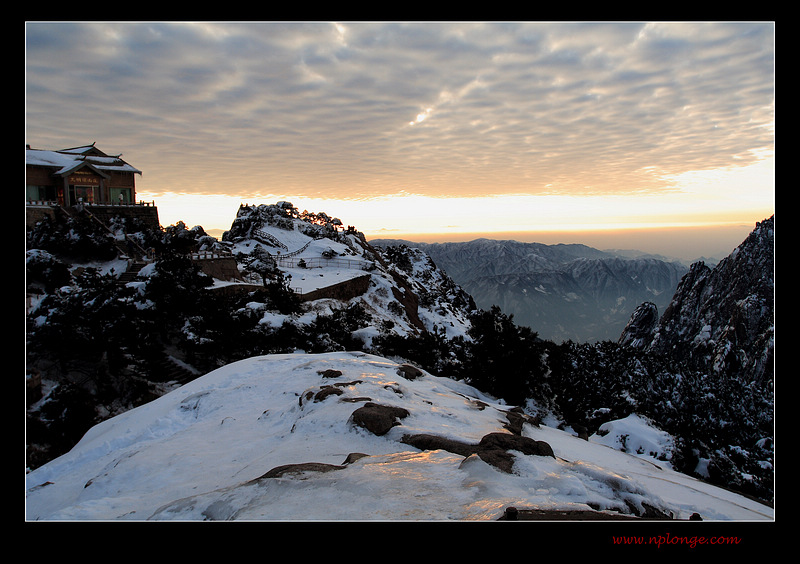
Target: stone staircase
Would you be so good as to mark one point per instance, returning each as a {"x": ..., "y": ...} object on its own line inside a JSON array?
[
  {"x": 132, "y": 272},
  {"x": 170, "y": 370}
]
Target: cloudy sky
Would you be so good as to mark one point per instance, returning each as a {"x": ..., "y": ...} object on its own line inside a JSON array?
[{"x": 419, "y": 128}]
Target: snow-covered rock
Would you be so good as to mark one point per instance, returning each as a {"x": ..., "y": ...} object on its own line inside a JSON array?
[
  {"x": 722, "y": 319},
  {"x": 313, "y": 252},
  {"x": 639, "y": 330},
  {"x": 273, "y": 438}
]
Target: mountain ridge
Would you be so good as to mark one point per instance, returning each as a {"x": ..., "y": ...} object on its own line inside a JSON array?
[
  {"x": 721, "y": 319},
  {"x": 563, "y": 291}
]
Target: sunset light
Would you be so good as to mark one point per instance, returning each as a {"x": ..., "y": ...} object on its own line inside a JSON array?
[
  {"x": 424, "y": 271},
  {"x": 425, "y": 130}
]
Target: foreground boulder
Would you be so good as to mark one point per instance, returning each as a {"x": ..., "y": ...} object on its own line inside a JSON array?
[
  {"x": 494, "y": 449},
  {"x": 378, "y": 419}
]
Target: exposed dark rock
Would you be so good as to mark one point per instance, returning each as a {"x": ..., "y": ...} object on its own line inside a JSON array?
[
  {"x": 582, "y": 430},
  {"x": 493, "y": 448},
  {"x": 721, "y": 320},
  {"x": 394, "y": 388},
  {"x": 506, "y": 441},
  {"x": 651, "y": 512},
  {"x": 497, "y": 457},
  {"x": 346, "y": 384},
  {"x": 327, "y": 391},
  {"x": 639, "y": 331},
  {"x": 408, "y": 299},
  {"x": 480, "y": 404},
  {"x": 409, "y": 372},
  {"x": 517, "y": 418},
  {"x": 514, "y": 514},
  {"x": 425, "y": 441},
  {"x": 300, "y": 468},
  {"x": 320, "y": 395},
  {"x": 330, "y": 373},
  {"x": 378, "y": 419},
  {"x": 303, "y": 467},
  {"x": 353, "y": 456}
]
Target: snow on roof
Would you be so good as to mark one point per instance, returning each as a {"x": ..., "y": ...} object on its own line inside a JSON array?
[{"x": 69, "y": 159}]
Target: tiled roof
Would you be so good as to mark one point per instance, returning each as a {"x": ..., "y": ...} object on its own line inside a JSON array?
[{"x": 66, "y": 160}]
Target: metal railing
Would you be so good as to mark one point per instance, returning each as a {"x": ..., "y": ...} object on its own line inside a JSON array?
[
  {"x": 267, "y": 238},
  {"x": 52, "y": 203},
  {"x": 297, "y": 252},
  {"x": 321, "y": 262},
  {"x": 210, "y": 255},
  {"x": 46, "y": 203},
  {"x": 122, "y": 204}
]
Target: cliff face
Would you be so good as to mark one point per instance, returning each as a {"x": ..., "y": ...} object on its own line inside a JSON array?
[
  {"x": 721, "y": 320},
  {"x": 639, "y": 330}
]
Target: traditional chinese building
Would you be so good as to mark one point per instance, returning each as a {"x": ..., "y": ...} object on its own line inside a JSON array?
[
  {"x": 82, "y": 177},
  {"x": 78, "y": 175}
]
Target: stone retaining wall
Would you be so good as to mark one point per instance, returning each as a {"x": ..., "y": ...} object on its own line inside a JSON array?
[
  {"x": 341, "y": 291},
  {"x": 221, "y": 268},
  {"x": 147, "y": 214},
  {"x": 35, "y": 214}
]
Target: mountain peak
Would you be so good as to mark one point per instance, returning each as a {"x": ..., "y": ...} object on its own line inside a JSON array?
[
  {"x": 639, "y": 330},
  {"x": 722, "y": 318}
]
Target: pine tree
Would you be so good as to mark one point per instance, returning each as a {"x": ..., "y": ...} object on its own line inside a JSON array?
[{"x": 503, "y": 358}]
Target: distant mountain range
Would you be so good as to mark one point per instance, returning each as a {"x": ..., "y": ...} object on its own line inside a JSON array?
[{"x": 564, "y": 291}]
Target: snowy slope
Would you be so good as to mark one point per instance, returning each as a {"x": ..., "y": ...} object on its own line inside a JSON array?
[
  {"x": 203, "y": 452},
  {"x": 331, "y": 257}
]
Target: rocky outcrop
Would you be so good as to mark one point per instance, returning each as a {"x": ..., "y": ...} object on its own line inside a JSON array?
[
  {"x": 711, "y": 359},
  {"x": 296, "y": 469},
  {"x": 409, "y": 372},
  {"x": 639, "y": 331},
  {"x": 378, "y": 419},
  {"x": 495, "y": 449},
  {"x": 720, "y": 320}
]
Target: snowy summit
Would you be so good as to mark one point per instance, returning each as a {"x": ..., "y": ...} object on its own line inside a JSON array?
[{"x": 353, "y": 436}]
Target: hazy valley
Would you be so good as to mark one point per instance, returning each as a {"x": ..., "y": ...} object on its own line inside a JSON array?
[{"x": 563, "y": 292}]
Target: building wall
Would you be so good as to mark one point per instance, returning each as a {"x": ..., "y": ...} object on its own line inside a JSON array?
[
  {"x": 43, "y": 176},
  {"x": 147, "y": 214},
  {"x": 39, "y": 176}
]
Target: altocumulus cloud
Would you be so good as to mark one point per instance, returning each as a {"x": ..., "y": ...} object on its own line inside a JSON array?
[{"x": 360, "y": 110}]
